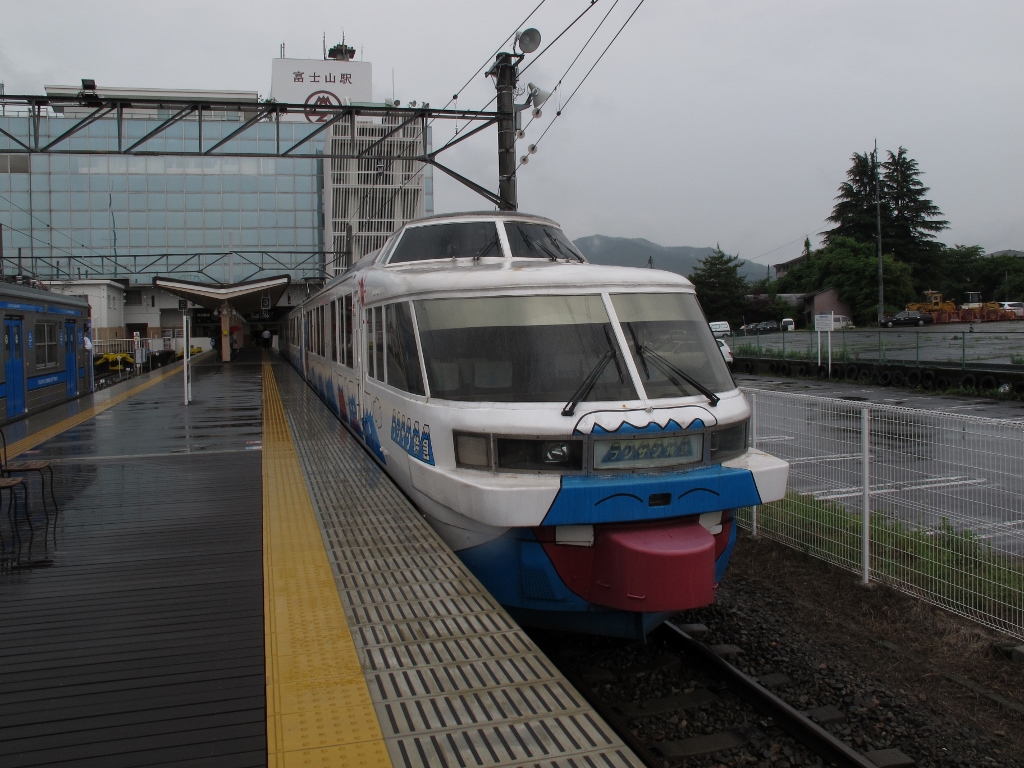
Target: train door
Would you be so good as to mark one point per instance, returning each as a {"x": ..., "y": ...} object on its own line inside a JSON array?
[
  {"x": 71, "y": 357},
  {"x": 14, "y": 366}
]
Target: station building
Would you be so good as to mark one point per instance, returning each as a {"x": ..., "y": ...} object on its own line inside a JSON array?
[{"x": 168, "y": 223}]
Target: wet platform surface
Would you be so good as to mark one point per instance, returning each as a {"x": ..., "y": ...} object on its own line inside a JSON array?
[
  {"x": 133, "y": 619},
  {"x": 237, "y": 583}
]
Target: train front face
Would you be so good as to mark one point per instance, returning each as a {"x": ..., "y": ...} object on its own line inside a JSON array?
[{"x": 595, "y": 448}]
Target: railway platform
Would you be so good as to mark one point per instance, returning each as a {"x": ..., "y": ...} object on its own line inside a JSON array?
[{"x": 236, "y": 583}]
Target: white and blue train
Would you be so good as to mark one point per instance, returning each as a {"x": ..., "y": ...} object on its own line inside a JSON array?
[{"x": 570, "y": 430}]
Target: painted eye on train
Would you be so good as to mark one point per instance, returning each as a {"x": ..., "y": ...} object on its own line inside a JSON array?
[
  {"x": 540, "y": 455},
  {"x": 729, "y": 442},
  {"x": 555, "y": 453}
]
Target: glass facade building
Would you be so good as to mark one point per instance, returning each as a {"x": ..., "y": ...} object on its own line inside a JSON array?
[{"x": 134, "y": 216}]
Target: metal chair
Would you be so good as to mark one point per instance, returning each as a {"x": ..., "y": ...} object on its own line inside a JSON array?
[
  {"x": 10, "y": 468},
  {"x": 9, "y": 484}
]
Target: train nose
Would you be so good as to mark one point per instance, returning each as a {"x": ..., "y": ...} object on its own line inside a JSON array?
[{"x": 663, "y": 566}]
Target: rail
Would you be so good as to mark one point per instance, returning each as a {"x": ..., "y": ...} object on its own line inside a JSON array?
[{"x": 929, "y": 503}]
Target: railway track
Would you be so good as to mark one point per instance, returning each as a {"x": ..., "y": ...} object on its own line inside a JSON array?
[{"x": 722, "y": 715}]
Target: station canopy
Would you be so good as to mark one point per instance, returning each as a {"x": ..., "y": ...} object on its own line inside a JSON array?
[{"x": 246, "y": 297}]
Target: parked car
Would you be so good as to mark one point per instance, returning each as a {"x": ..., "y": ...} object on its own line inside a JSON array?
[
  {"x": 720, "y": 328},
  {"x": 788, "y": 324},
  {"x": 1017, "y": 307},
  {"x": 907, "y": 317},
  {"x": 769, "y": 326},
  {"x": 726, "y": 352}
]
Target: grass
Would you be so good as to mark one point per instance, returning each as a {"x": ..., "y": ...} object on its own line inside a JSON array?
[{"x": 951, "y": 568}]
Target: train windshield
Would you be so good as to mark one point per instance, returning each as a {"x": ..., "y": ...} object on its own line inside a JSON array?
[
  {"x": 471, "y": 239},
  {"x": 525, "y": 349},
  {"x": 667, "y": 331},
  {"x": 539, "y": 241}
]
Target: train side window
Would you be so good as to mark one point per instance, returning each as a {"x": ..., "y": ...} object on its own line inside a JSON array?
[
  {"x": 46, "y": 345},
  {"x": 347, "y": 323},
  {"x": 403, "y": 360},
  {"x": 370, "y": 338},
  {"x": 320, "y": 331},
  {"x": 334, "y": 331},
  {"x": 378, "y": 341}
]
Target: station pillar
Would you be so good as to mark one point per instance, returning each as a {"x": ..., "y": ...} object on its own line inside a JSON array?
[{"x": 225, "y": 333}]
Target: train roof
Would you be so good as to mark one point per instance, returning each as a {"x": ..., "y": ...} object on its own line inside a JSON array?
[
  {"x": 382, "y": 279},
  {"x": 499, "y": 275},
  {"x": 39, "y": 298}
]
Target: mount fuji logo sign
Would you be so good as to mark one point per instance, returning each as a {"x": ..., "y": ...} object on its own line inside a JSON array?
[
  {"x": 319, "y": 83},
  {"x": 320, "y": 99}
]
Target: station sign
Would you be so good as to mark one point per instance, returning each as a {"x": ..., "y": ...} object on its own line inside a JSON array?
[
  {"x": 316, "y": 82},
  {"x": 823, "y": 322}
]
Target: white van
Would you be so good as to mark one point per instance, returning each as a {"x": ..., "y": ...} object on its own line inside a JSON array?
[
  {"x": 787, "y": 324},
  {"x": 720, "y": 328},
  {"x": 838, "y": 322}
]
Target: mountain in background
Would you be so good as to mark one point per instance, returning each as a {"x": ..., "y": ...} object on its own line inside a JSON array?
[{"x": 635, "y": 251}]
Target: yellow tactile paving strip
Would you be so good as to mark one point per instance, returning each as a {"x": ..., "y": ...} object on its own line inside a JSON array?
[
  {"x": 319, "y": 710},
  {"x": 38, "y": 438}
]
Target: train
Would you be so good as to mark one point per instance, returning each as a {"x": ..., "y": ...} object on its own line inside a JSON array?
[
  {"x": 570, "y": 430},
  {"x": 45, "y": 359}
]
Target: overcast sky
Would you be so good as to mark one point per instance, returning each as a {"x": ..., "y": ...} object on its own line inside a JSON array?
[{"x": 708, "y": 121}]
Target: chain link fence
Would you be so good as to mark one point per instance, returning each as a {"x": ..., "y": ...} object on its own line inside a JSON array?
[
  {"x": 961, "y": 345},
  {"x": 929, "y": 503}
]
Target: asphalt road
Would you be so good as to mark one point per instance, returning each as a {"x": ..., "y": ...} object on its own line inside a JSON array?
[
  {"x": 907, "y": 398},
  {"x": 927, "y": 466}
]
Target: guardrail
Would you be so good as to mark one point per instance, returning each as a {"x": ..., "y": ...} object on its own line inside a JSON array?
[
  {"x": 929, "y": 503},
  {"x": 122, "y": 346}
]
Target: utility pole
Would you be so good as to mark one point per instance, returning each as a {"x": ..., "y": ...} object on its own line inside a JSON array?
[
  {"x": 506, "y": 74},
  {"x": 878, "y": 219}
]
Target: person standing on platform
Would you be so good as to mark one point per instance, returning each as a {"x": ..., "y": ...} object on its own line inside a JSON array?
[
  {"x": 267, "y": 335},
  {"x": 87, "y": 343}
]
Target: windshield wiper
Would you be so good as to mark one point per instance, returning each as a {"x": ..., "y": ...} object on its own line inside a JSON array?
[
  {"x": 669, "y": 369},
  {"x": 593, "y": 376},
  {"x": 486, "y": 248}
]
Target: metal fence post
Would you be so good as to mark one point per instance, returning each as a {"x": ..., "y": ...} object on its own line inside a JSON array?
[
  {"x": 753, "y": 444},
  {"x": 963, "y": 355},
  {"x": 918, "y": 362},
  {"x": 865, "y": 449}
]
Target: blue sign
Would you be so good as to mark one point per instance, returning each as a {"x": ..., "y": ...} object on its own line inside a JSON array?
[{"x": 30, "y": 342}]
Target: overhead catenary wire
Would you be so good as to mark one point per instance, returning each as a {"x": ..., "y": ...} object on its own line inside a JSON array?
[
  {"x": 558, "y": 85},
  {"x": 580, "y": 84},
  {"x": 455, "y": 97},
  {"x": 496, "y": 52},
  {"x": 532, "y": 60}
]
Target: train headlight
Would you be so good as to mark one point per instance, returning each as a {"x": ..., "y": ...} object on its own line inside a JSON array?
[
  {"x": 540, "y": 455},
  {"x": 728, "y": 443},
  {"x": 472, "y": 450}
]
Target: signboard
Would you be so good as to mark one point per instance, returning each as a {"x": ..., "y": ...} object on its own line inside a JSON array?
[
  {"x": 182, "y": 305},
  {"x": 823, "y": 322},
  {"x": 319, "y": 82}
]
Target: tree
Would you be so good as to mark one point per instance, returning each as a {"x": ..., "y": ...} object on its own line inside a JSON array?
[
  {"x": 855, "y": 211},
  {"x": 913, "y": 218},
  {"x": 720, "y": 287},
  {"x": 851, "y": 268},
  {"x": 909, "y": 220}
]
